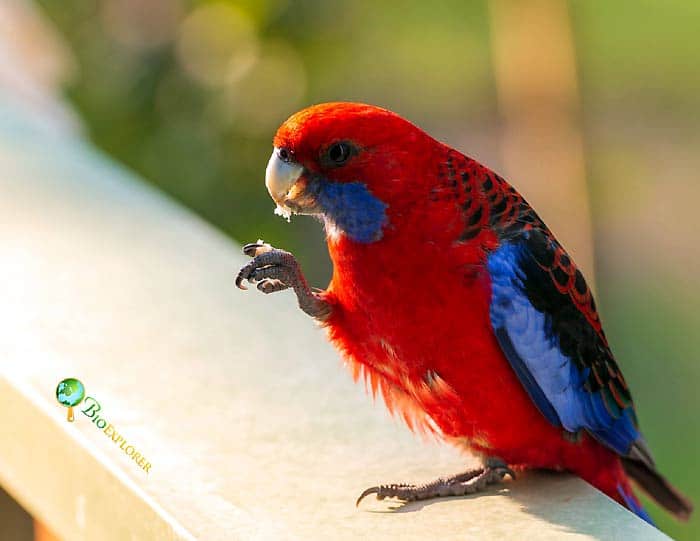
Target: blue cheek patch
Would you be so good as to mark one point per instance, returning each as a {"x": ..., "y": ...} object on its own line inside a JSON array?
[{"x": 353, "y": 209}]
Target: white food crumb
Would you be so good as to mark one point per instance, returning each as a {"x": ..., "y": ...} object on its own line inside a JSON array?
[{"x": 284, "y": 212}]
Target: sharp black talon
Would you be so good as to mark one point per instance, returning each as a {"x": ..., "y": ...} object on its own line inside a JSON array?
[
  {"x": 239, "y": 282},
  {"x": 508, "y": 471},
  {"x": 371, "y": 490},
  {"x": 250, "y": 248}
]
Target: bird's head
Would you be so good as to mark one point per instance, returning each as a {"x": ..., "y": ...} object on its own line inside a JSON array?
[{"x": 357, "y": 166}]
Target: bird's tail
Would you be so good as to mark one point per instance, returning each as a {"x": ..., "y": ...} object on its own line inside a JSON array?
[
  {"x": 632, "y": 503},
  {"x": 656, "y": 486}
]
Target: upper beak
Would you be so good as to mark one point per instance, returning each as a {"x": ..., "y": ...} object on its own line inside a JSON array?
[
  {"x": 280, "y": 177},
  {"x": 287, "y": 186}
]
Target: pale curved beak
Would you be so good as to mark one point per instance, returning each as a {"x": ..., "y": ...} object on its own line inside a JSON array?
[{"x": 280, "y": 177}]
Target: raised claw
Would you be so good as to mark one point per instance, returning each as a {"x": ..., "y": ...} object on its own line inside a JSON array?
[
  {"x": 267, "y": 262},
  {"x": 275, "y": 270}
]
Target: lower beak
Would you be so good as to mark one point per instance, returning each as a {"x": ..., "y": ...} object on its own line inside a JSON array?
[{"x": 286, "y": 185}]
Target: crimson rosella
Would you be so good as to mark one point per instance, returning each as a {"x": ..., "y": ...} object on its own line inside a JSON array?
[{"x": 453, "y": 299}]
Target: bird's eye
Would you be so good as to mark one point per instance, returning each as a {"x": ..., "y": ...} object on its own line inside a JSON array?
[
  {"x": 339, "y": 153},
  {"x": 284, "y": 155}
]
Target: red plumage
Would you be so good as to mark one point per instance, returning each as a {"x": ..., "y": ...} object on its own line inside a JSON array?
[
  {"x": 410, "y": 312},
  {"x": 431, "y": 316}
]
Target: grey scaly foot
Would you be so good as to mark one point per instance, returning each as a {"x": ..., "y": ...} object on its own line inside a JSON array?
[
  {"x": 469, "y": 482},
  {"x": 277, "y": 270}
]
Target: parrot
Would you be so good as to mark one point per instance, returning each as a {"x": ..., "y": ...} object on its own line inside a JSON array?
[{"x": 453, "y": 301}]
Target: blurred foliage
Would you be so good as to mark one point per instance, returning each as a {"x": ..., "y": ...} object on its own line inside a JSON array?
[{"x": 188, "y": 94}]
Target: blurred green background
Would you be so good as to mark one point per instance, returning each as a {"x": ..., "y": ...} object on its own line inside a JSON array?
[{"x": 189, "y": 94}]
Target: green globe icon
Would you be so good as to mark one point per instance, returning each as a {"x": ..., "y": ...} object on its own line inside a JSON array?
[{"x": 70, "y": 392}]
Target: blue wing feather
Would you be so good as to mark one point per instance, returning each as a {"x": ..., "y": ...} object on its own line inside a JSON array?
[
  {"x": 558, "y": 379},
  {"x": 545, "y": 320}
]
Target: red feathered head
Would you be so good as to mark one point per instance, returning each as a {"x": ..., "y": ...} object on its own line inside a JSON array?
[{"x": 354, "y": 164}]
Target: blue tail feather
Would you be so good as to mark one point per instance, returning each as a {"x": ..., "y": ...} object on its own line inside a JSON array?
[{"x": 634, "y": 506}]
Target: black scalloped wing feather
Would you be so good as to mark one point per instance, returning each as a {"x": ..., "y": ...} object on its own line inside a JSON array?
[
  {"x": 545, "y": 319},
  {"x": 556, "y": 287}
]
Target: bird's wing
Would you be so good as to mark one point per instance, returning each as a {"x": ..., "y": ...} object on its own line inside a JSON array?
[{"x": 545, "y": 320}]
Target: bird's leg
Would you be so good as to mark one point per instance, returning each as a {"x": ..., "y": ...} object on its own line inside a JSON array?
[
  {"x": 276, "y": 270},
  {"x": 469, "y": 482}
]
